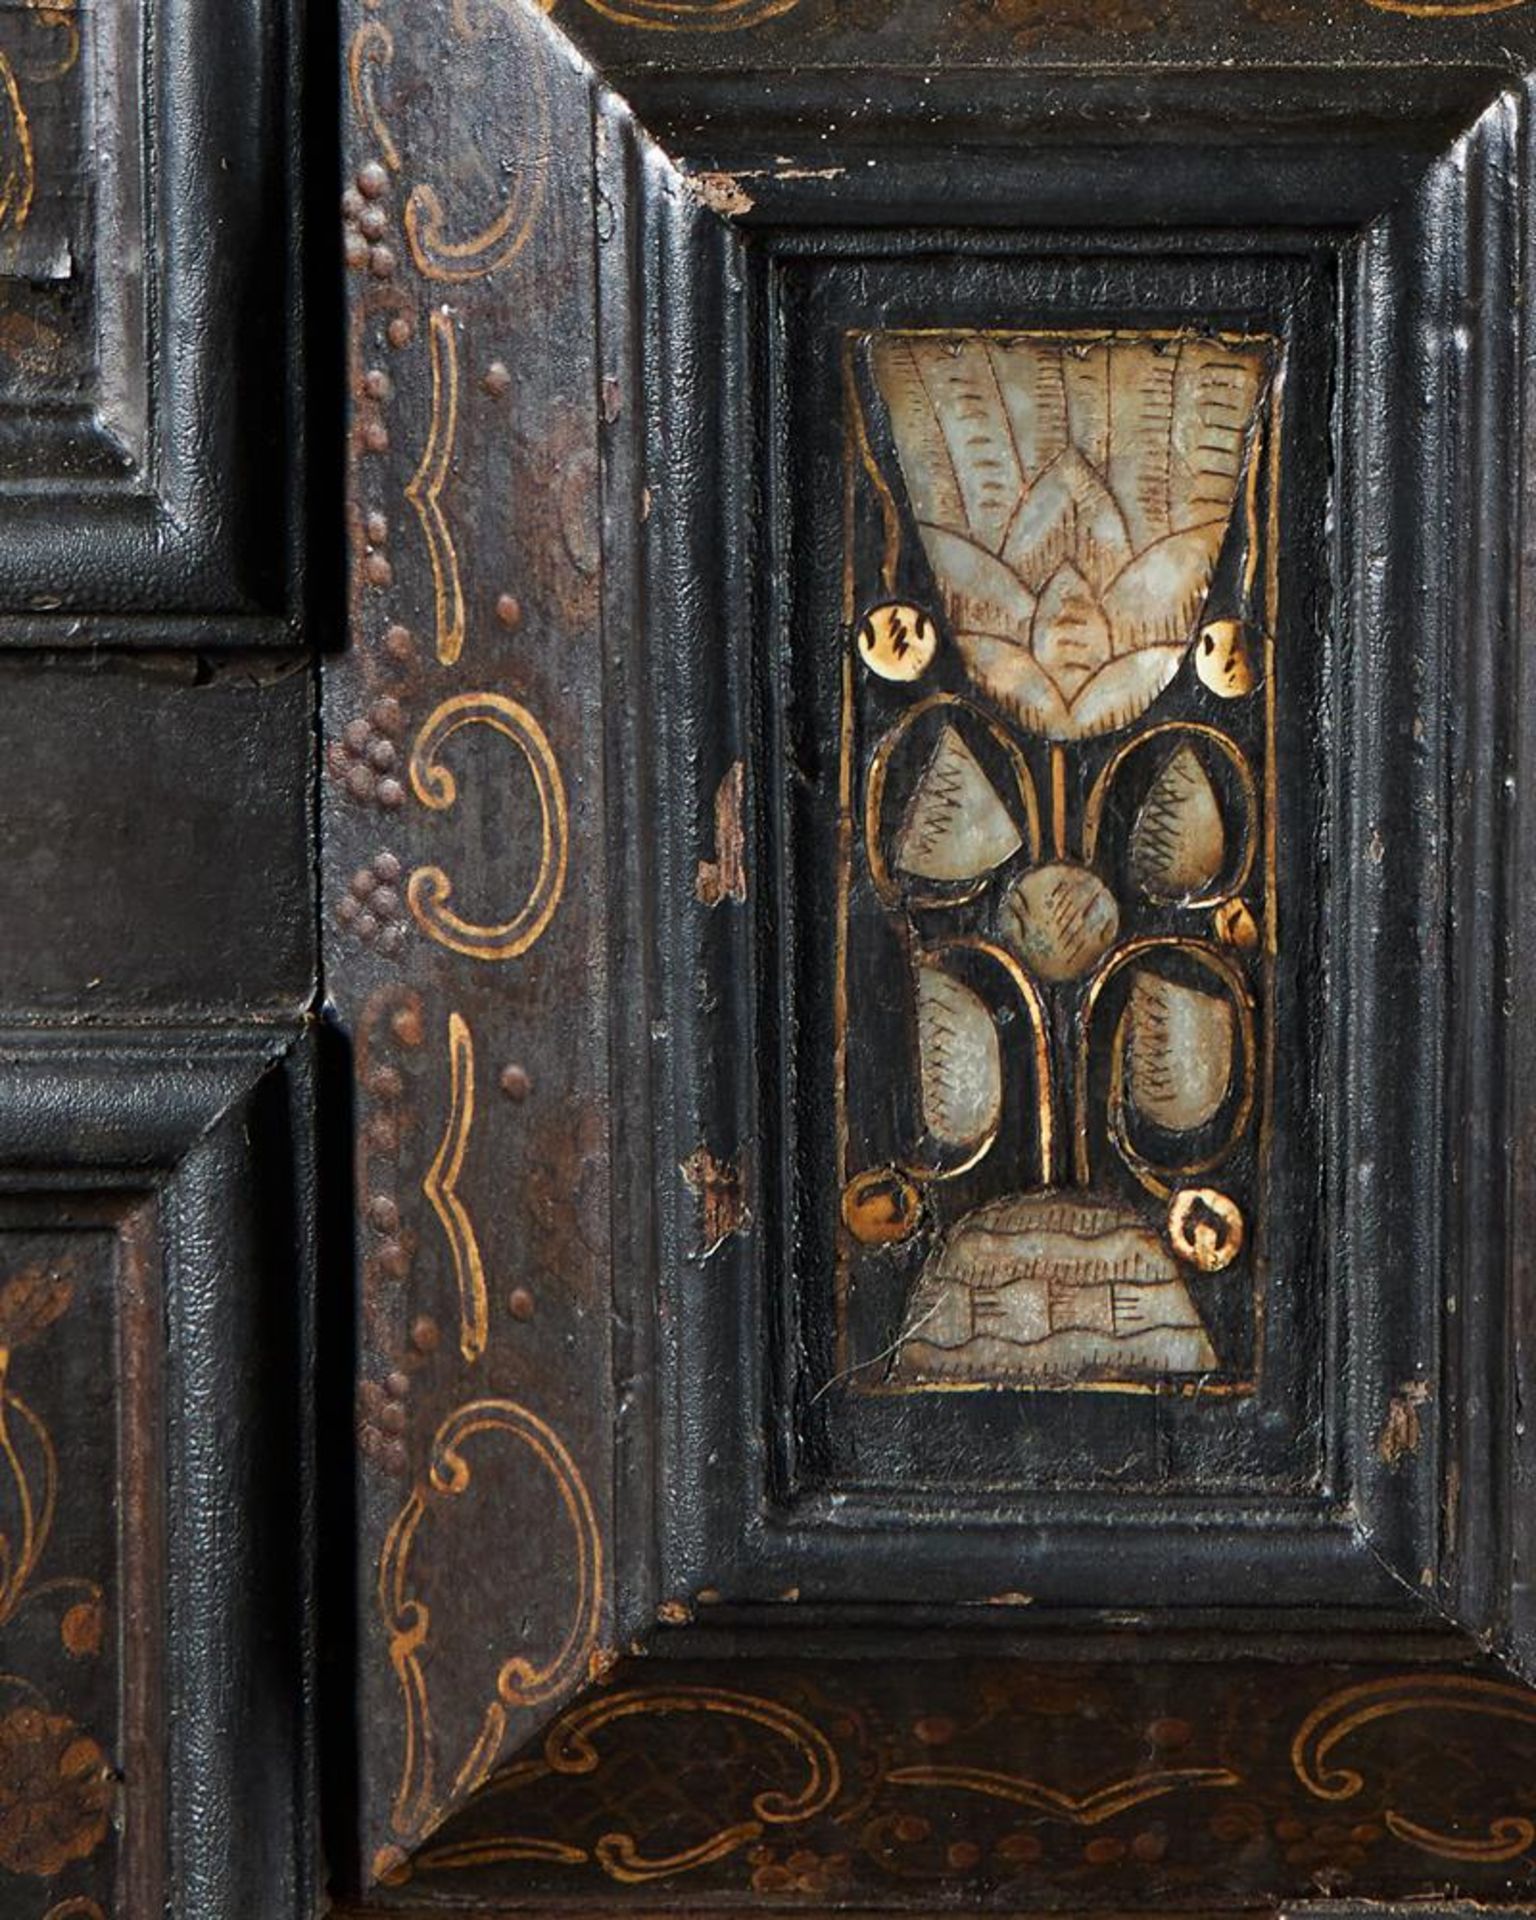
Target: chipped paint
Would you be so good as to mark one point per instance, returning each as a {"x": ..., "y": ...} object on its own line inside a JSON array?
[
  {"x": 721, "y": 1188},
  {"x": 1401, "y": 1430},
  {"x": 725, "y": 877},
  {"x": 722, "y": 193}
]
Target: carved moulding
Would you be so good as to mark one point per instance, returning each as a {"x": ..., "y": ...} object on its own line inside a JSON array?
[
  {"x": 138, "y": 515},
  {"x": 143, "y": 1312}
]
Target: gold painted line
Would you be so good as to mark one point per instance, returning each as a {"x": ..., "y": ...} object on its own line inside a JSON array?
[
  {"x": 424, "y": 490},
  {"x": 1131, "y": 334},
  {"x": 1425, "y": 10},
  {"x": 20, "y": 180},
  {"x": 1195, "y": 1390},
  {"x": 1271, "y": 847},
  {"x": 440, "y": 1185},
  {"x": 1059, "y": 799},
  {"x": 889, "y": 516}
]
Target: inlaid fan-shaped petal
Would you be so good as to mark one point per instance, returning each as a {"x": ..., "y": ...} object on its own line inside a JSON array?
[
  {"x": 963, "y": 386},
  {"x": 1178, "y": 1046},
  {"x": 1141, "y": 444},
  {"x": 1068, "y": 514},
  {"x": 933, "y": 486},
  {"x": 1120, "y": 459},
  {"x": 1086, "y": 373},
  {"x": 959, "y": 1059},
  {"x": 1156, "y": 600},
  {"x": 1070, "y": 636},
  {"x": 1008, "y": 673},
  {"x": 1121, "y": 692},
  {"x": 1035, "y": 394},
  {"x": 1178, "y": 842},
  {"x": 955, "y": 826},
  {"x": 1115, "y": 696},
  {"x": 1215, "y": 399},
  {"x": 979, "y": 592}
]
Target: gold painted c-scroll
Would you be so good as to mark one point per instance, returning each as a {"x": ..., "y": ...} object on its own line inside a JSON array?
[
  {"x": 427, "y": 222},
  {"x": 520, "y": 1681},
  {"x": 1352, "y": 1709},
  {"x": 429, "y": 889},
  {"x": 373, "y": 45}
]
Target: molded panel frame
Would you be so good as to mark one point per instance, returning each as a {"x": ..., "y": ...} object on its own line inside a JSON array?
[
  {"x": 1421, "y": 631},
  {"x": 194, "y": 1146},
  {"x": 145, "y": 513}
]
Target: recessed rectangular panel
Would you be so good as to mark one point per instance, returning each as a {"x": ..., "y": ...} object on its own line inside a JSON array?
[{"x": 1046, "y": 973}]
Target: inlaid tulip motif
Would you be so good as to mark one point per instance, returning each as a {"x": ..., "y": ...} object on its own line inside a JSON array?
[{"x": 1070, "y": 865}]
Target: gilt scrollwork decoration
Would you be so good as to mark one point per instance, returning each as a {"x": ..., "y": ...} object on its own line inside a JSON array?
[
  {"x": 1318, "y": 1765},
  {"x": 1082, "y": 1810},
  {"x": 372, "y": 52},
  {"x": 429, "y": 888},
  {"x": 441, "y": 1186},
  {"x": 439, "y": 252},
  {"x": 18, "y": 160},
  {"x": 441, "y": 255},
  {"x": 424, "y": 490},
  {"x": 572, "y": 1748},
  {"x": 57, "y": 1791},
  {"x": 521, "y": 1680}
]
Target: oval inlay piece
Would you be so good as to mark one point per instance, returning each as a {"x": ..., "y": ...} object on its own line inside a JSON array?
[
  {"x": 1205, "y": 1227},
  {"x": 1178, "y": 1044},
  {"x": 1224, "y": 660},
  {"x": 1059, "y": 920},
  {"x": 882, "y": 1207},
  {"x": 897, "y": 641}
]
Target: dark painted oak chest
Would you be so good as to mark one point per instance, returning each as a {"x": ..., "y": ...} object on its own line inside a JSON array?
[{"x": 766, "y": 957}]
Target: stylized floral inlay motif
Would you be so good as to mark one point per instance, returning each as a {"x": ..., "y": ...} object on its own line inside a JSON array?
[
  {"x": 30, "y": 1302},
  {"x": 56, "y": 1792},
  {"x": 1072, "y": 498},
  {"x": 1086, "y": 513}
]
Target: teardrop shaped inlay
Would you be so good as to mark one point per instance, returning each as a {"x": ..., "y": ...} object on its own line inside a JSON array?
[
  {"x": 955, "y": 826},
  {"x": 1178, "y": 841}
]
